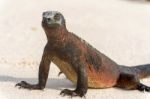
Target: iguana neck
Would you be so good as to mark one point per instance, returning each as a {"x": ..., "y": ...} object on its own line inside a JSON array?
[{"x": 56, "y": 34}]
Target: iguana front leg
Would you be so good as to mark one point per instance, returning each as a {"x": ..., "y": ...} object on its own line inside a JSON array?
[
  {"x": 82, "y": 80},
  {"x": 43, "y": 74}
]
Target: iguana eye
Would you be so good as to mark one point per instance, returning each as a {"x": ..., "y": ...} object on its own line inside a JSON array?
[{"x": 57, "y": 17}]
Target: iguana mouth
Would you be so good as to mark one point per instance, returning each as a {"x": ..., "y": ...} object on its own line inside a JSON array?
[{"x": 50, "y": 25}]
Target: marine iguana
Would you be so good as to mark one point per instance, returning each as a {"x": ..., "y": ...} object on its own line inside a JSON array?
[{"x": 82, "y": 64}]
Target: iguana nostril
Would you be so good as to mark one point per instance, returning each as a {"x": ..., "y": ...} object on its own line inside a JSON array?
[{"x": 48, "y": 19}]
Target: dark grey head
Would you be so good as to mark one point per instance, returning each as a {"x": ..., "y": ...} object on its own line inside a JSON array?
[{"x": 52, "y": 19}]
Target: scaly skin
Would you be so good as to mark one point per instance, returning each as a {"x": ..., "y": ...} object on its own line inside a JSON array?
[{"x": 81, "y": 63}]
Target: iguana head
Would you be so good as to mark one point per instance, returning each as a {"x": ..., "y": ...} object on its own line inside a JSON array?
[{"x": 52, "y": 19}]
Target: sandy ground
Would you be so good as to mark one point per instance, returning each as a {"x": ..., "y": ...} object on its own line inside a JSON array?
[{"x": 118, "y": 28}]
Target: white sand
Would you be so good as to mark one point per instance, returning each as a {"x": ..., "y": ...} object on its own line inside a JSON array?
[{"x": 118, "y": 28}]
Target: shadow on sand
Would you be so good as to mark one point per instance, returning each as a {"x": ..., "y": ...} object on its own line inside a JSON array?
[
  {"x": 52, "y": 83},
  {"x": 139, "y": 1}
]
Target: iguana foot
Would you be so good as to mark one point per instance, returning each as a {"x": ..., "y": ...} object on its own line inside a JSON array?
[
  {"x": 72, "y": 93},
  {"x": 142, "y": 87},
  {"x": 26, "y": 85}
]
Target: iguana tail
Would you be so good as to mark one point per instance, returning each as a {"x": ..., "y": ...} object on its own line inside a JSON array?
[{"x": 142, "y": 71}]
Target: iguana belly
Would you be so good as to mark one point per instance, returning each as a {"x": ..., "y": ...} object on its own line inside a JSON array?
[
  {"x": 95, "y": 79},
  {"x": 66, "y": 69}
]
